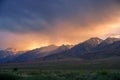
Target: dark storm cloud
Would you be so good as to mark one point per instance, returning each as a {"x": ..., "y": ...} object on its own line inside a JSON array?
[
  {"x": 29, "y": 24},
  {"x": 1, "y": 3},
  {"x": 118, "y": 1},
  {"x": 40, "y": 15}
]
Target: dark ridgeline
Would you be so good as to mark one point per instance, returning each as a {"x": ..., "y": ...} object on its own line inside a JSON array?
[
  {"x": 40, "y": 53},
  {"x": 6, "y": 55},
  {"x": 93, "y": 48}
]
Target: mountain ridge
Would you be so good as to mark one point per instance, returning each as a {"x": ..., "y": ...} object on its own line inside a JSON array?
[
  {"x": 93, "y": 48},
  {"x": 86, "y": 49}
]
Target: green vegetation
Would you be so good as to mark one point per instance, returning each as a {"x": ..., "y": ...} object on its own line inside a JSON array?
[
  {"x": 9, "y": 76},
  {"x": 69, "y": 70},
  {"x": 61, "y": 75},
  {"x": 15, "y": 69}
]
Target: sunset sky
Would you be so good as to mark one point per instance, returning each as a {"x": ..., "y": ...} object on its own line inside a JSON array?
[{"x": 28, "y": 24}]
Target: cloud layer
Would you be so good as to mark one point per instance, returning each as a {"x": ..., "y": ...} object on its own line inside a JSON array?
[{"x": 43, "y": 22}]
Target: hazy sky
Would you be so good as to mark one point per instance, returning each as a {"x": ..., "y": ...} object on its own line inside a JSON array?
[{"x": 27, "y": 24}]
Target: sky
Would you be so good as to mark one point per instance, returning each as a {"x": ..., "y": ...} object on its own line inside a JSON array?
[{"x": 29, "y": 24}]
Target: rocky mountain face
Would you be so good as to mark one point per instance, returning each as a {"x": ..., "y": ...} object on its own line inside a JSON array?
[
  {"x": 41, "y": 52},
  {"x": 106, "y": 42},
  {"x": 93, "y": 48},
  {"x": 6, "y": 55},
  {"x": 110, "y": 50}
]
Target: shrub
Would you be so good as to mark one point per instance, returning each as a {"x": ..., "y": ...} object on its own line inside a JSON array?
[
  {"x": 8, "y": 76},
  {"x": 15, "y": 69}
]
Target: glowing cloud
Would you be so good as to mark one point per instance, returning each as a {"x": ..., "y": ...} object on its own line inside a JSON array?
[{"x": 28, "y": 24}]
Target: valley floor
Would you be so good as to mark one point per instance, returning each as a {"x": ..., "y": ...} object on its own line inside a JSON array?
[
  {"x": 28, "y": 74},
  {"x": 74, "y": 69}
]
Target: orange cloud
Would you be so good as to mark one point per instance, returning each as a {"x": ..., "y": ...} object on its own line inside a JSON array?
[
  {"x": 62, "y": 33},
  {"x": 72, "y": 31}
]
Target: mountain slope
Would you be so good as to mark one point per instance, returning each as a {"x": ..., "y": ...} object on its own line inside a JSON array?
[
  {"x": 93, "y": 48},
  {"x": 77, "y": 50},
  {"x": 40, "y": 53},
  {"x": 111, "y": 50},
  {"x": 86, "y": 46},
  {"x": 6, "y": 55},
  {"x": 106, "y": 42}
]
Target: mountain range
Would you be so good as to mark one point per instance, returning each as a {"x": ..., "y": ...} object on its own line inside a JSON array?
[{"x": 91, "y": 49}]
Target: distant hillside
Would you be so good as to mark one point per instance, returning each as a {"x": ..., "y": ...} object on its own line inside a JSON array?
[
  {"x": 41, "y": 52},
  {"x": 6, "y": 55},
  {"x": 91, "y": 49}
]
